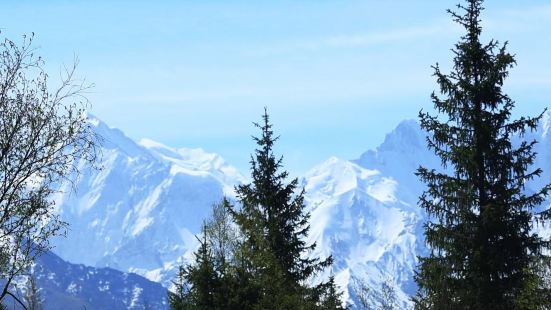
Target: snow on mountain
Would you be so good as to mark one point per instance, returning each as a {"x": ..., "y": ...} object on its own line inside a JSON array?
[
  {"x": 193, "y": 161},
  {"x": 141, "y": 211},
  {"x": 68, "y": 286},
  {"x": 402, "y": 152},
  {"x": 365, "y": 213}
]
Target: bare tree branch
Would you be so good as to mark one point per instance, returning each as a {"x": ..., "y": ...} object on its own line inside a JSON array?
[{"x": 44, "y": 137}]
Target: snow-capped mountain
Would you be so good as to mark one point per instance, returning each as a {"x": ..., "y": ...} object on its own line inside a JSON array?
[
  {"x": 364, "y": 212},
  {"x": 141, "y": 211}
]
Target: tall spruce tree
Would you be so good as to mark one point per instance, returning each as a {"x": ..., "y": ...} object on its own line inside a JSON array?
[
  {"x": 484, "y": 252},
  {"x": 263, "y": 264},
  {"x": 274, "y": 225}
]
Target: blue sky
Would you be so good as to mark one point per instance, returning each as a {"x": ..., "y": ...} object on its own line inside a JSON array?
[{"x": 336, "y": 76}]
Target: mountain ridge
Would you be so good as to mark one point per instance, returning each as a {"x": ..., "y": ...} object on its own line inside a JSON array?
[{"x": 150, "y": 201}]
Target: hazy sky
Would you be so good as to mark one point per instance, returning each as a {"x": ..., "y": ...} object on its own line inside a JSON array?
[{"x": 336, "y": 76}]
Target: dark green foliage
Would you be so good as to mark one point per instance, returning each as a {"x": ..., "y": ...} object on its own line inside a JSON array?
[
  {"x": 209, "y": 282},
  {"x": 198, "y": 283},
  {"x": 484, "y": 253},
  {"x": 330, "y": 297},
  {"x": 177, "y": 299},
  {"x": 274, "y": 227},
  {"x": 255, "y": 256},
  {"x": 204, "y": 277}
]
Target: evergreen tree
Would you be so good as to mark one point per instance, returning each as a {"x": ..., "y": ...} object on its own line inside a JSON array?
[
  {"x": 178, "y": 299},
  {"x": 274, "y": 225},
  {"x": 197, "y": 283},
  {"x": 484, "y": 252},
  {"x": 203, "y": 277},
  {"x": 211, "y": 281},
  {"x": 330, "y": 298},
  {"x": 255, "y": 257}
]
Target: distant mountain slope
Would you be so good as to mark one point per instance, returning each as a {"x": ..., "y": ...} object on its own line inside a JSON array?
[
  {"x": 365, "y": 213},
  {"x": 140, "y": 212},
  {"x": 69, "y": 286}
]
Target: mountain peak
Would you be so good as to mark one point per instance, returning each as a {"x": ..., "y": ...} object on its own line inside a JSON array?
[
  {"x": 402, "y": 144},
  {"x": 113, "y": 138},
  {"x": 406, "y": 135},
  {"x": 92, "y": 119},
  {"x": 192, "y": 160}
]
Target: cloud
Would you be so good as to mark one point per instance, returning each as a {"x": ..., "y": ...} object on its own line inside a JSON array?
[
  {"x": 529, "y": 13},
  {"x": 357, "y": 40},
  {"x": 519, "y": 20},
  {"x": 392, "y": 36}
]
